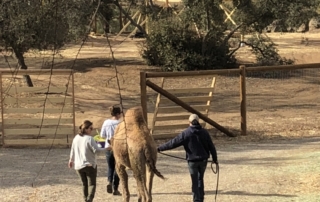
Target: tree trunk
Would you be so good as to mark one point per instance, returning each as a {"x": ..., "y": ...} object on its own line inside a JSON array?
[
  {"x": 22, "y": 65},
  {"x": 208, "y": 19},
  {"x": 106, "y": 28},
  {"x": 307, "y": 28},
  {"x": 120, "y": 20}
]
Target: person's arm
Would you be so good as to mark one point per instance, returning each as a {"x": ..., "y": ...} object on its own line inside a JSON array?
[
  {"x": 103, "y": 130},
  {"x": 71, "y": 159},
  {"x": 94, "y": 146},
  {"x": 111, "y": 132},
  {"x": 212, "y": 149},
  {"x": 174, "y": 143}
]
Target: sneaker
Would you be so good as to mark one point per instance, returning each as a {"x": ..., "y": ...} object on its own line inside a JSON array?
[
  {"x": 116, "y": 193},
  {"x": 109, "y": 188}
]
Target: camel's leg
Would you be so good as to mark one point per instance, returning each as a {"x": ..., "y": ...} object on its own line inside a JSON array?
[
  {"x": 138, "y": 193},
  {"x": 123, "y": 176},
  {"x": 149, "y": 175},
  {"x": 139, "y": 173}
]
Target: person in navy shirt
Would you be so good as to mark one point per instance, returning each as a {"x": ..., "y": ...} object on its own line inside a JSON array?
[{"x": 198, "y": 146}]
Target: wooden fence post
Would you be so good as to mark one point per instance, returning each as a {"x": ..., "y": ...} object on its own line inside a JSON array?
[
  {"x": 2, "y": 109},
  {"x": 74, "y": 110},
  {"x": 243, "y": 105},
  {"x": 143, "y": 90}
]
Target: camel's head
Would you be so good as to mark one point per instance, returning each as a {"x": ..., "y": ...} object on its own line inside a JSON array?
[{"x": 134, "y": 114}]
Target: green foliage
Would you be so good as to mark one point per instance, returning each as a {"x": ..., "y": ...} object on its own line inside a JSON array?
[
  {"x": 265, "y": 51},
  {"x": 175, "y": 47},
  {"x": 257, "y": 14},
  {"x": 42, "y": 24},
  {"x": 174, "y": 44},
  {"x": 204, "y": 13}
]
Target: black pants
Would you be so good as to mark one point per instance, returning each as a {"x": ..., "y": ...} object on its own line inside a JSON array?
[
  {"x": 113, "y": 177},
  {"x": 197, "y": 170},
  {"x": 88, "y": 176}
]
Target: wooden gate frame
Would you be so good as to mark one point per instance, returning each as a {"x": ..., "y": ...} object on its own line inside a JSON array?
[
  {"x": 144, "y": 82},
  {"x": 241, "y": 71},
  {"x": 206, "y": 99},
  {"x": 35, "y": 131}
]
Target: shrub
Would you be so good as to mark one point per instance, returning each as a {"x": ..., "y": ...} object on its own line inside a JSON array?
[
  {"x": 175, "y": 46},
  {"x": 266, "y": 52}
]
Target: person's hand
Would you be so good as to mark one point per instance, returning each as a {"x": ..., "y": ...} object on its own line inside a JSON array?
[
  {"x": 70, "y": 164},
  {"x": 215, "y": 161},
  {"x": 109, "y": 148}
]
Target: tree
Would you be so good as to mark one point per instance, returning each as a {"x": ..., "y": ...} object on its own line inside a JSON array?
[
  {"x": 214, "y": 35},
  {"x": 41, "y": 25}
]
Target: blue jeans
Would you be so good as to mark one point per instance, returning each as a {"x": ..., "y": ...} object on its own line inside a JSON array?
[
  {"x": 112, "y": 174},
  {"x": 197, "y": 170}
]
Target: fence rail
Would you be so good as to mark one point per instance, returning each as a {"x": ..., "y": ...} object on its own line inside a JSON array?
[
  {"x": 253, "y": 82},
  {"x": 39, "y": 115}
]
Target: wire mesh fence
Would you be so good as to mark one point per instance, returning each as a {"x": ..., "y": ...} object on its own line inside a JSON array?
[{"x": 283, "y": 102}]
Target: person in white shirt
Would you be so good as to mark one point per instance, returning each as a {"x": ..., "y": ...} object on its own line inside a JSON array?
[
  {"x": 107, "y": 132},
  {"x": 83, "y": 159}
]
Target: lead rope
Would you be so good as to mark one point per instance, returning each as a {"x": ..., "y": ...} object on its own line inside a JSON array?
[{"x": 214, "y": 171}]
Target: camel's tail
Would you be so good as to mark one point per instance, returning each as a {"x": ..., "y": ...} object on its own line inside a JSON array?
[{"x": 151, "y": 163}]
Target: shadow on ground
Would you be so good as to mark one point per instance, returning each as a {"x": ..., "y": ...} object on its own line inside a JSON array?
[{"x": 240, "y": 193}]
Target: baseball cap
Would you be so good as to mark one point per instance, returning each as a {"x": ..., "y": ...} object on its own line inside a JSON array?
[{"x": 193, "y": 117}]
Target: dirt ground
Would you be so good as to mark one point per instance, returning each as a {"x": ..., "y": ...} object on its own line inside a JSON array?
[
  {"x": 279, "y": 171},
  {"x": 276, "y": 161}
]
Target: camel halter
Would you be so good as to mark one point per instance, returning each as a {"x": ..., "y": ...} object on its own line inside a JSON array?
[{"x": 214, "y": 171}]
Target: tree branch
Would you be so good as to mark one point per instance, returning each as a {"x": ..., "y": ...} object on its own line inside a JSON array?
[
  {"x": 231, "y": 33},
  {"x": 151, "y": 6},
  {"x": 235, "y": 50},
  {"x": 255, "y": 47}
]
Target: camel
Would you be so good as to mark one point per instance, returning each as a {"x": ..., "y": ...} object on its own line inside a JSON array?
[{"x": 135, "y": 149}]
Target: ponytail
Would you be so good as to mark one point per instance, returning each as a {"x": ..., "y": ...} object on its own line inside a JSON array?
[
  {"x": 85, "y": 125},
  {"x": 115, "y": 110}
]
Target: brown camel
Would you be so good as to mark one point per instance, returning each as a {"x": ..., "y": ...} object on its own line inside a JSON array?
[{"x": 134, "y": 148}]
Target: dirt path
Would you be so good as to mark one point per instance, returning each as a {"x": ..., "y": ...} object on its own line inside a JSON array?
[{"x": 278, "y": 170}]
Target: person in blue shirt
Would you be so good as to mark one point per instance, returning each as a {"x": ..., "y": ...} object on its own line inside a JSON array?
[
  {"x": 198, "y": 146},
  {"x": 107, "y": 132}
]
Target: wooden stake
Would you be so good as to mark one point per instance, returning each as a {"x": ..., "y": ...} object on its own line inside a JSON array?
[
  {"x": 211, "y": 94},
  {"x": 128, "y": 23},
  {"x": 228, "y": 14},
  {"x": 188, "y": 107},
  {"x": 156, "y": 109},
  {"x": 74, "y": 110},
  {"x": 147, "y": 19},
  {"x": 243, "y": 107},
  {"x": 2, "y": 109},
  {"x": 135, "y": 29}
]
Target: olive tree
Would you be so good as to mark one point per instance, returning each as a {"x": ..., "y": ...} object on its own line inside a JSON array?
[{"x": 41, "y": 25}]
